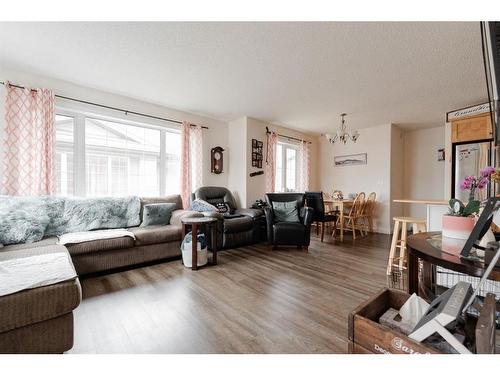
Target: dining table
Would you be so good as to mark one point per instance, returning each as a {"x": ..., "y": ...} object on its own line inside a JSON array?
[{"x": 338, "y": 204}]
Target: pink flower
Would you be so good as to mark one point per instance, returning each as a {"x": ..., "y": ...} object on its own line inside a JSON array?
[
  {"x": 487, "y": 171},
  {"x": 482, "y": 183},
  {"x": 467, "y": 182}
]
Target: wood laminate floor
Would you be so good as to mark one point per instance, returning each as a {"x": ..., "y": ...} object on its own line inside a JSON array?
[{"x": 254, "y": 301}]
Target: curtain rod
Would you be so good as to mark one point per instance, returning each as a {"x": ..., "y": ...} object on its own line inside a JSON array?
[
  {"x": 288, "y": 137},
  {"x": 109, "y": 107}
]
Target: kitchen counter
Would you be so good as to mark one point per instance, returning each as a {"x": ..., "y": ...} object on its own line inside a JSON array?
[
  {"x": 421, "y": 201},
  {"x": 435, "y": 210}
]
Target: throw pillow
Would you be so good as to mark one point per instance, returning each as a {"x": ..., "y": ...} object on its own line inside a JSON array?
[
  {"x": 286, "y": 211},
  {"x": 223, "y": 208},
  {"x": 157, "y": 214},
  {"x": 202, "y": 206}
]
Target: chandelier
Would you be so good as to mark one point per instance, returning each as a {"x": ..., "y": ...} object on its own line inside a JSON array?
[{"x": 342, "y": 134}]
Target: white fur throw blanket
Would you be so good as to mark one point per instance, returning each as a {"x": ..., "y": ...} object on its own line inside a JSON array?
[
  {"x": 35, "y": 271},
  {"x": 29, "y": 219},
  {"x": 93, "y": 235}
]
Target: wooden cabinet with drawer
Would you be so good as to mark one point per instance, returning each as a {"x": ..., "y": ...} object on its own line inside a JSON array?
[{"x": 472, "y": 129}]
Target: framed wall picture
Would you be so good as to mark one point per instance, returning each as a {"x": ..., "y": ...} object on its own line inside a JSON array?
[
  {"x": 257, "y": 153},
  {"x": 350, "y": 160},
  {"x": 441, "y": 154}
]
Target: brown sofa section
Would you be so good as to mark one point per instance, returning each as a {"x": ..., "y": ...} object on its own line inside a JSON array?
[
  {"x": 154, "y": 234},
  {"x": 48, "y": 336},
  {"x": 152, "y": 243},
  {"x": 40, "y": 320},
  {"x": 119, "y": 258}
]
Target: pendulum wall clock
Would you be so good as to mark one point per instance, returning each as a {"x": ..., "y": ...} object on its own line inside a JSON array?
[{"x": 217, "y": 160}]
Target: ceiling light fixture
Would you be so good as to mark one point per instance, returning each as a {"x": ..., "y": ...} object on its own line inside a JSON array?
[{"x": 342, "y": 134}]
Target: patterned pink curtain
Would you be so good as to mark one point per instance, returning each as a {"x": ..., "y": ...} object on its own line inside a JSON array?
[
  {"x": 29, "y": 138},
  {"x": 191, "y": 160},
  {"x": 196, "y": 149},
  {"x": 185, "y": 163},
  {"x": 304, "y": 166},
  {"x": 270, "y": 168}
]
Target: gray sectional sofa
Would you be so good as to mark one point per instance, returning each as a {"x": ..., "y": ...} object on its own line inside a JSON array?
[{"x": 40, "y": 320}]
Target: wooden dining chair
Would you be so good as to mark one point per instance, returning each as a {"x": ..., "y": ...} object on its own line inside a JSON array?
[
  {"x": 352, "y": 220},
  {"x": 368, "y": 210}
]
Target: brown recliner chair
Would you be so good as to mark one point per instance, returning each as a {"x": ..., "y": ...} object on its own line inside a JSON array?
[{"x": 240, "y": 226}]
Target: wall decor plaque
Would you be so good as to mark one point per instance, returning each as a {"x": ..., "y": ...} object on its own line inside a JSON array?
[{"x": 257, "y": 153}]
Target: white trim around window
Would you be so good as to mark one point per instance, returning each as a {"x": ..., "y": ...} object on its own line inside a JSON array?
[
  {"x": 79, "y": 146},
  {"x": 287, "y": 166}
]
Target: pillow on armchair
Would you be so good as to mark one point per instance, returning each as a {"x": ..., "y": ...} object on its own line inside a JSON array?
[
  {"x": 286, "y": 211},
  {"x": 201, "y": 205}
]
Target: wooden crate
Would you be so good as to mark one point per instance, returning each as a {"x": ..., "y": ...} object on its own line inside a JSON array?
[{"x": 367, "y": 336}]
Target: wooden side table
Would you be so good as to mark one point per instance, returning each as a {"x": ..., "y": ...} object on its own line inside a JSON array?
[{"x": 195, "y": 223}]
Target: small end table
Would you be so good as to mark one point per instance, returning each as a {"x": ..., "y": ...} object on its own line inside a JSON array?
[
  {"x": 195, "y": 223},
  {"x": 421, "y": 248}
]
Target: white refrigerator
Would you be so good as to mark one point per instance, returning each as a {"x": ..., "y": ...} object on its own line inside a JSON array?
[{"x": 470, "y": 158}]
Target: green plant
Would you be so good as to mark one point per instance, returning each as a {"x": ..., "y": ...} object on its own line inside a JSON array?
[{"x": 457, "y": 208}]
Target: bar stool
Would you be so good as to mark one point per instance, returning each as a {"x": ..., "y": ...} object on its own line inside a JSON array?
[{"x": 399, "y": 245}]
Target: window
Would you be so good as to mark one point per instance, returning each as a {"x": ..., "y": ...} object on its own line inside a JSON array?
[
  {"x": 286, "y": 167},
  {"x": 172, "y": 163},
  {"x": 115, "y": 158},
  {"x": 65, "y": 128},
  {"x": 121, "y": 159}
]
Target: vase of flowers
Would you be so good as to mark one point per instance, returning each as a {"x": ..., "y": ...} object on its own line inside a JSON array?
[{"x": 460, "y": 220}]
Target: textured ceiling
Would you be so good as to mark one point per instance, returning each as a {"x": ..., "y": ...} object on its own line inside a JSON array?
[{"x": 302, "y": 75}]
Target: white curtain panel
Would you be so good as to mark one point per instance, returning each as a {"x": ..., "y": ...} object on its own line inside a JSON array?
[
  {"x": 191, "y": 160},
  {"x": 270, "y": 168},
  {"x": 304, "y": 166},
  {"x": 196, "y": 140}
]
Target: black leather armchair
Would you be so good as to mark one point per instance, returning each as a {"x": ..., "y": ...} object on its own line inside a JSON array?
[
  {"x": 284, "y": 232},
  {"x": 241, "y": 227}
]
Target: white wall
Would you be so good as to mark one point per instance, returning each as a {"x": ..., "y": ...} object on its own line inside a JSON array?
[
  {"x": 256, "y": 129},
  {"x": 247, "y": 189},
  {"x": 255, "y": 186},
  {"x": 374, "y": 176},
  {"x": 237, "y": 179},
  {"x": 216, "y": 135},
  {"x": 424, "y": 175},
  {"x": 397, "y": 171}
]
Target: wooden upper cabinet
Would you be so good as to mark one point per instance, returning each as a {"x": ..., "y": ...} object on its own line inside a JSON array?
[{"x": 472, "y": 129}]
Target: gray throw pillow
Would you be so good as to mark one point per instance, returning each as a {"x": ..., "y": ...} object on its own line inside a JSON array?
[
  {"x": 201, "y": 205},
  {"x": 157, "y": 214},
  {"x": 286, "y": 211}
]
